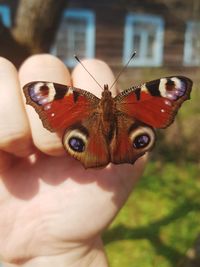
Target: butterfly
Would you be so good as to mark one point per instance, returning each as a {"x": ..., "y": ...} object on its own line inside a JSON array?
[{"x": 120, "y": 129}]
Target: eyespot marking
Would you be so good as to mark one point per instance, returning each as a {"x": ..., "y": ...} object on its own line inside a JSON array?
[
  {"x": 75, "y": 140},
  {"x": 142, "y": 138},
  {"x": 42, "y": 93},
  {"x": 172, "y": 88}
]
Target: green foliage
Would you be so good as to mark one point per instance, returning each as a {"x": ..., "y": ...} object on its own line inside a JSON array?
[
  {"x": 160, "y": 221},
  {"x": 181, "y": 142}
]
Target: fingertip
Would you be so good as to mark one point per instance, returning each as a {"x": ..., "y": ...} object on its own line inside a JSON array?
[
  {"x": 41, "y": 59},
  {"x": 101, "y": 72},
  {"x": 44, "y": 67},
  {"x": 14, "y": 128},
  {"x": 5, "y": 63}
]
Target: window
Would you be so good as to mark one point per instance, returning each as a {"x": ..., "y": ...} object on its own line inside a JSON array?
[
  {"x": 5, "y": 15},
  {"x": 76, "y": 35},
  {"x": 143, "y": 34},
  {"x": 192, "y": 44}
]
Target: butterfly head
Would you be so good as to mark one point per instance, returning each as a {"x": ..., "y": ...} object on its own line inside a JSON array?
[
  {"x": 105, "y": 87},
  {"x": 106, "y": 92}
]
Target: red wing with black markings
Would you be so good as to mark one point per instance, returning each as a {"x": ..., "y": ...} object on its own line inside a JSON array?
[
  {"x": 59, "y": 106},
  {"x": 155, "y": 103}
]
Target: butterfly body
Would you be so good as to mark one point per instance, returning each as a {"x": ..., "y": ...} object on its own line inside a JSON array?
[
  {"x": 106, "y": 109},
  {"x": 119, "y": 129}
]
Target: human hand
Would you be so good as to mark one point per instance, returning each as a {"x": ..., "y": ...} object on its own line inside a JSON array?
[{"x": 53, "y": 211}]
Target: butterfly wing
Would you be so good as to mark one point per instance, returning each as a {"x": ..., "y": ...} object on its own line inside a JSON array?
[
  {"x": 59, "y": 106},
  {"x": 155, "y": 103},
  {"x": 131, "y": 140},
  {"x": 73, "y": 111},
  {"x": 86, "y": 142}
]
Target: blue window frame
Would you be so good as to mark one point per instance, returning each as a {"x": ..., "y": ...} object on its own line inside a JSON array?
[
  {"x": 143, "y": 34},
  {"x": 76, "y": 35},
  {"x": 5, "y": 15},
  {"x": 192, "y": 44}
]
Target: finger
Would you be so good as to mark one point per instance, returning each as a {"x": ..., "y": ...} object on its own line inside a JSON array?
[
  {"x": 99, "y": 70},
  {"x": 44, "y": 68},
  {"x": 14, "y": 127}
]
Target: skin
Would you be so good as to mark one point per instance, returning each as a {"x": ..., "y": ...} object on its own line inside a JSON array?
[{"x": 53, "y": 211}]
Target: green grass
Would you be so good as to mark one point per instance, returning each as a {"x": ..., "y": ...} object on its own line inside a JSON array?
[{"x": 160, "y": 221}]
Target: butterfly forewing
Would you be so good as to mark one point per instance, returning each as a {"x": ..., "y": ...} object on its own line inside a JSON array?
[
  {"x": 155, "y": 103},
  {"x": 59, "y": 106}
]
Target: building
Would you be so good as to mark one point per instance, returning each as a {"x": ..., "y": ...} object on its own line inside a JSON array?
[{"x": 165, "y": 34}]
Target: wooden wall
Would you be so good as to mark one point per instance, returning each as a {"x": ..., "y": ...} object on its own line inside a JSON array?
[
  {"x": 110, "y": 21},
  {"x": 110, "y": 18}
]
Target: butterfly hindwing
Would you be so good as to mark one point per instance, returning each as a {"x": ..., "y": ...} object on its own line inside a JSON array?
[
  {"x": 155, "y": 103},
  {"x": 59, "y": 106},
  {"x": 131, "y": 140},
  {"x": 86, "y": 142}
]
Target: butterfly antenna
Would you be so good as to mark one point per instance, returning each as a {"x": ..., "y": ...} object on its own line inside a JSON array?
[
  {"x": 123, "y": 69},
  {"x": 87, "y": 71}
]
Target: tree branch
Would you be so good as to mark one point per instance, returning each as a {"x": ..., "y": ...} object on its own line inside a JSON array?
[
  {"x": 10, "y": 48},
  {"x": 35, "y": 27},
  {"x": 36, "y": 23}
]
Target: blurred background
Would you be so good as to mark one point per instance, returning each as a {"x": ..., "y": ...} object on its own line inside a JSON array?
[{"x": 160, "y": 224}]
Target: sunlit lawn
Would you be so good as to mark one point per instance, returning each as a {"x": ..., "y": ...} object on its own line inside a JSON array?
[{"x": 161, "y": 219}]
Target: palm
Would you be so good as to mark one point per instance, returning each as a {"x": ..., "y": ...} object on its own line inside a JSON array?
[{"x": 54, "y": 200}]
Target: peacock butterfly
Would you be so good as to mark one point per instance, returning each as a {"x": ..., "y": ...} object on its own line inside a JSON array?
[{"x": 110, "y": 129}]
